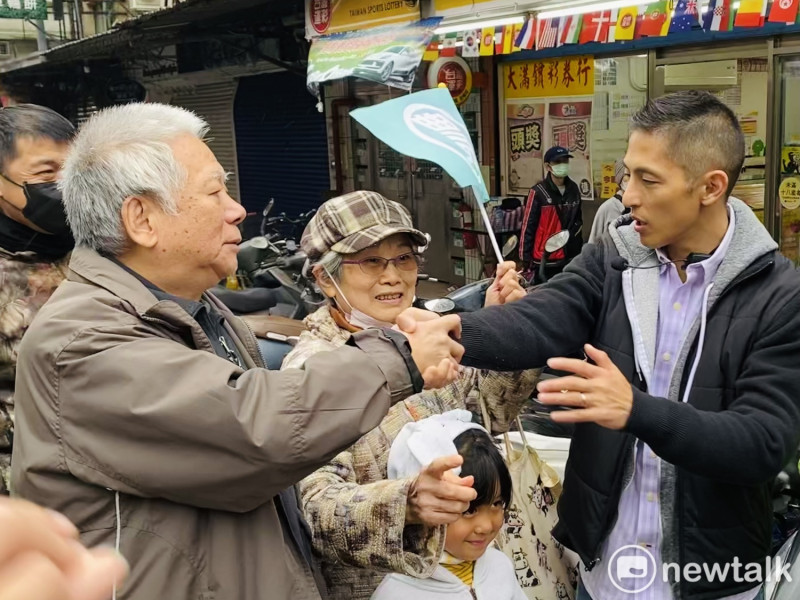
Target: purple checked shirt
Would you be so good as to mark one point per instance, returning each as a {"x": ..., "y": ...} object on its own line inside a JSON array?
[{"x": 639, "y": 518}]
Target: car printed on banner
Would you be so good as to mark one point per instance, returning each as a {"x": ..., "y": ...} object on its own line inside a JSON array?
[{"x": 395, "y": 62}]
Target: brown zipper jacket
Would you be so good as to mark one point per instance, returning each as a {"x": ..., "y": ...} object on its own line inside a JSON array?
[{"x": 128, "y": 423}]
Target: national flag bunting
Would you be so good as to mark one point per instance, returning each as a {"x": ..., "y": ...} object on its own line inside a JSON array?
[
  {"x": 686, "y": 17},
  {"x": 751, "y": 13},
  {"x": 515, "y": 31},
  {"x": 449, "y": 44},
  {"x": 569, "y": 29},
  {"x": 784, "y": 11},
  {"x": 717, "y": 17},
  {"x": 651, "y": 22},
  {"x": 504, "y": 39},
  {"x": 526, "y": 39},
  {"x": 547, "y": 33},
  {"x": 612, "y": 26},
  {"x": 595, "y": 27},
  {"x": 472, "y": 44},
  {"x": 431, "y": 50},
  {"x": 626, "y": 23},
  {"x": 487, "y": 41}
]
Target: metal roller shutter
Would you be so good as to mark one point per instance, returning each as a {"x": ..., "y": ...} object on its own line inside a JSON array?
[
  {"x": 282, "y": 144},
  {"x": 214, "y": 103}
]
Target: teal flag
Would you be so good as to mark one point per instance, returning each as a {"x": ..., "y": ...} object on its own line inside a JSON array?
[{"x": 427, "y": 125}]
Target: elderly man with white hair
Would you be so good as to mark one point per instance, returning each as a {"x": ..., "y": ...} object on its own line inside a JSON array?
[{"x": 144, "y": 413}]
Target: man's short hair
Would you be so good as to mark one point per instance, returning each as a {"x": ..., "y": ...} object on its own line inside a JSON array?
[
  {"x": 702, "y": 133},
  {"x": 30, "y": 120},
  {"x": 120, "y": 152}
]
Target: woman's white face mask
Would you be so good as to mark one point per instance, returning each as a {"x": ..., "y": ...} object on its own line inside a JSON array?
[{"x": 354, "y": 316}]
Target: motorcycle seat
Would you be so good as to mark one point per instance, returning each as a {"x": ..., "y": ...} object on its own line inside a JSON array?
[
  {"x": 246, "y": 301},
  {"x": 273, "y": 326}
]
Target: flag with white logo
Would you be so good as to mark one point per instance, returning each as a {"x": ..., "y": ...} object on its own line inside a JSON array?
[{"x": 427, "y": 125}]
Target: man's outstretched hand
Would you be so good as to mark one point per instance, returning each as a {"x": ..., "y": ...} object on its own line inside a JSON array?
[{"x": 433, "y": 344}]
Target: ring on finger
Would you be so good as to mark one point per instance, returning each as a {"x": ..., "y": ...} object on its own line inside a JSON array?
[{"x": 583, "y": 398}]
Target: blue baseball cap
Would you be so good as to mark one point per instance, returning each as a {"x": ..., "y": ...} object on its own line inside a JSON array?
[{"x": 555, "y": 153}]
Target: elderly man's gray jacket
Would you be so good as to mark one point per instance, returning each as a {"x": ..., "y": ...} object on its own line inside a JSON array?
[
  {"x": 129, "y": 424},
  {"x": 720, "y": 448}
]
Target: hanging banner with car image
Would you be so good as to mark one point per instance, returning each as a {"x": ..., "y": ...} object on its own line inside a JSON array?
[
  {"x": 548, "y": 103},
  {"x": 388, "y": 55}
]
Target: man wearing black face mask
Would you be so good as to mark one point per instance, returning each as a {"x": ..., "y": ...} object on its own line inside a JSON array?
[{"x": 34, "y": 237}]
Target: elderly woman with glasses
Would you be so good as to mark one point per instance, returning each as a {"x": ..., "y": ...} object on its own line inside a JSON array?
[{"x": 366, "y": 256}]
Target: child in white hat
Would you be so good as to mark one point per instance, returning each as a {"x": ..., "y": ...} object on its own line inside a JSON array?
[{"x": 469, "y": 568}]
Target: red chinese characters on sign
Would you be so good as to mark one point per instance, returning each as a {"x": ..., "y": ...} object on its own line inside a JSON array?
[
  {"x": 321, "y": 15},
  {"x": 567, "y": 79},
  {"x": 512, "y": 83},
  {"x": 570, "y": 135},
  {"x": 583, "y": 71},
  {"x": 552, "y": 73}
]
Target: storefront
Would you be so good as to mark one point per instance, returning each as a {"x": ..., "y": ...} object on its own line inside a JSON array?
[{"x": 756, "y": 72}]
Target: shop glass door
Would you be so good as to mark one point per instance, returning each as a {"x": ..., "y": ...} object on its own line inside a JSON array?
[{"x": 788, "y": 189}]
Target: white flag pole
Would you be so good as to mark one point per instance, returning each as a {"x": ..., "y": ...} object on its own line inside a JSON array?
[{"x": 489, "y": 230}]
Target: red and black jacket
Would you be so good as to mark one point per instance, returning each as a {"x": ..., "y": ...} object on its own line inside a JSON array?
[{"x": 547, "y": 211}]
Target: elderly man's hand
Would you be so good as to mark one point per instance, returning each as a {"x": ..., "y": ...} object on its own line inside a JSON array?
[
  {"x": 433, "y": 345},
  {"x": 506, "y": 286},
  {"x": 598, "y": 392},
  {"x": 438, "y": 496},
  {"x": 41, "y": 559}
]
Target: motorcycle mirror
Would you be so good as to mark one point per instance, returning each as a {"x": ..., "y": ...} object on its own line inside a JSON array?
[
  {"x": 439, "y": 305},
  {"x": 556, "y": 241},
  {"x": 268, "y": 207},
  {"x": 259, "y": 242},
  {"x": 510, "y": 244}
]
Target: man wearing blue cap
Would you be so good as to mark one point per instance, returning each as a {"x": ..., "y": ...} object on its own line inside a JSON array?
[{"x": 553, "y": 204}]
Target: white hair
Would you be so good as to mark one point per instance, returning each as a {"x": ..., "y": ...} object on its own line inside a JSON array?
[{"x": 120, "y": 152}]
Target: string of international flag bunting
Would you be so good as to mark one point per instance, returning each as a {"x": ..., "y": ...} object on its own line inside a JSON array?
[{"x": 657, "y": 19}]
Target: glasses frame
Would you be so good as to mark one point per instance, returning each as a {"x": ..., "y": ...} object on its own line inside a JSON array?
[{"x": 386, "y": 262}]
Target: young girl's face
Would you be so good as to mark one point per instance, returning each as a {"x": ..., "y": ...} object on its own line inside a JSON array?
[{"x": 469, "y": 537}]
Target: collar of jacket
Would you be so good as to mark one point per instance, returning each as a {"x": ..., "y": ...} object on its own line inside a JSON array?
[
  {"x": 552, "y": 187},
  {"x": 750, "y": 242},
  {"x": 91, "y": 267}
]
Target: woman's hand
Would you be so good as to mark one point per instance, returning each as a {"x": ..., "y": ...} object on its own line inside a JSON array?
[
  {"x": 506, "y": 287},
  {"x": 437, "y": 496}
]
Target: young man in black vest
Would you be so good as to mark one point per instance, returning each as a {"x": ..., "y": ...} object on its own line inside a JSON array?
[{"x": 688, "y": 406}]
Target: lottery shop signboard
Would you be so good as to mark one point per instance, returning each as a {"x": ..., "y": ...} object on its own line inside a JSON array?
[{"x": 335, "y": 16}]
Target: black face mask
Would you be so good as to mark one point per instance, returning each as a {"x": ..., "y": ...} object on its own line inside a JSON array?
[
  {"x": 45, "y": 207},
  {"x": 45, "y": 210}
]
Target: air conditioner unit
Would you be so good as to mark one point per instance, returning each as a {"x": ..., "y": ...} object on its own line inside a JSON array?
[
  {"x": 702, "y": 75},
  {"x": 149, "y": 5},
  {"x": 6, "y": 50}
]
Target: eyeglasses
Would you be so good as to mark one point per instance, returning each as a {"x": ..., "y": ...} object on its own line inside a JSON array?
[{"x": 376, "y": 265}]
